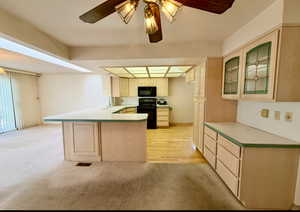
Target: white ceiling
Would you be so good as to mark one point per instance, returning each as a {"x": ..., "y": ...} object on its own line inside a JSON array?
[
  {"x": 59, "y": 18},
  {"x": 20, "y": 62}
]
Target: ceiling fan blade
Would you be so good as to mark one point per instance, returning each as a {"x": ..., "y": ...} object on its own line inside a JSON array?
[
  {"x": 157, "y": 36},
  {"x": 214, "y": 6},
  {"x": 101, "y": 11}
]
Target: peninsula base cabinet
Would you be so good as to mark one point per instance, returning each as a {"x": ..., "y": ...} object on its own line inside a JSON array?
[
  {"x": 261, "y": 178},
  {"x": 96, "y": 141},
  {"x": 81, "y": 141}
]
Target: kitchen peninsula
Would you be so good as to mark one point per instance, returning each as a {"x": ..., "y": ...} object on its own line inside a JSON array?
[{"x": 103, "y": 135}]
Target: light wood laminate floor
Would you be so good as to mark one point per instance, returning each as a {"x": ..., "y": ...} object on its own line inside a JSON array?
[{"x": 172, "y": 145}]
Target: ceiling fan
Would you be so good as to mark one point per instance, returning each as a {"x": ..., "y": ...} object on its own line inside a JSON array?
[{"x": 126, "y": 9}]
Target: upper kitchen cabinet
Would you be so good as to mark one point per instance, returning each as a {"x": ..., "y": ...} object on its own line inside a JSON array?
[
  {"x": 190, "y": 76},
  {"x": 259, "y": 71},
  {"x": 120, "y": 87},
  {"x": 269, "y": 68},
  {"x": 162, "y": 85},
  {"x": 232, "y": 68}
]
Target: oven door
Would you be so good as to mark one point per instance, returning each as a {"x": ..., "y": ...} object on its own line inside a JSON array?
[
  {"x": 152, "y": 116},
  {"x": 147, "y": 91}
]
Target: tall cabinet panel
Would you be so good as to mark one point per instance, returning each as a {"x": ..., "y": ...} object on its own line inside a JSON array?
[{"x": 208, "y": 101}]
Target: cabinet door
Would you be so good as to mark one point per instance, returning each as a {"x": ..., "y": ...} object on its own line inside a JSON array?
[
  {"x": 133, "y": 87},
  {"x": 231, "y": 76},
  {"x": 115, "y": 87},
  {"x": 124, "y": 87},
  {"x": 85, "y": 142},
  {"x": 198, "y": 128},
  {"x": 260, "y": 68},
  {"x": 162, "y": 85},
  {"x": 190, "y": 76}
]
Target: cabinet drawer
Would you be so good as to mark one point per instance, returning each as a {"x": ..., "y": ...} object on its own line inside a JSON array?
[
  {"x": 165, "y": 109},
  {"x": 230, "y": 180},
  {"x": 162, "y": 123},
  {"x": 163, "y": 118},
  {"x": 229, "y": 160},
  {"x": 210, "y": 144},
  {"x": 163, "y": 112},
  {"x": 211, "y": 133},
  {"x": 228, "y": 145},
  {"x": 210, "y": 157}
]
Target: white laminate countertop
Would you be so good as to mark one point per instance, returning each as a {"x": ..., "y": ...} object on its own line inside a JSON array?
[
  {"x": 247, "y": 136},
  {"x": 99, "y": 114}
]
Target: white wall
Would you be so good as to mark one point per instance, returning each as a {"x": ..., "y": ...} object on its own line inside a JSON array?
[
  {"x": 62, "y": 93},
  {"x": 281, "y": 11},
  {"x": 181, "y": 100},
  {"x": 249, "y": 113}
]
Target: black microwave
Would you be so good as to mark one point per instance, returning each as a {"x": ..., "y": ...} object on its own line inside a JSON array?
[{"x": 147, "y": 91}]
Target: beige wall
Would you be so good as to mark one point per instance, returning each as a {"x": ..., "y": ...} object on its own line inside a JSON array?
[
  {"x": 63, "y": 93},
  {"x": 22, "y": 31},
  {"x": 281, "y": 11},
  {"x": 291, "y": 11},
  {"x": 158, "y": 51},
  {"x": 268, "y": 19},
  {"x": 181, "y": 100}
]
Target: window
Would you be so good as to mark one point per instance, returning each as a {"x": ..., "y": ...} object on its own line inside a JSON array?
[{"x": 7, "y": 116}]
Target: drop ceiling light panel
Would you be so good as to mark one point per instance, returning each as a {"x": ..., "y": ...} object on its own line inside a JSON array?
[
  {"x": 158, "y": 69},
  {"x": 179, "y": 69},
  {"x": 141, "y": 75},
  {"x": 137, "y": 70},
  {"x": 157, "y": 75}
]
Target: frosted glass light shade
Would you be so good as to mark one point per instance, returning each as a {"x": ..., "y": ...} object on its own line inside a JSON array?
[
  {"x": 126, "y": 10},
  {"x": 170, "y": 8}
]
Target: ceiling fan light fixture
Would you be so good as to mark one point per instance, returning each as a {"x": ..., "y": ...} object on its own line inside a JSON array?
[
  {"x": 150, "y": 21},
  {"x": 126, "y": 10},
  {"x": 170, "y": 8}
]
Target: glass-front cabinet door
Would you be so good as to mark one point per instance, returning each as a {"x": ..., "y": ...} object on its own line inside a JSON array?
[
  {"x": 231, "y": 75},
  {"x": 259, "y": 68}
]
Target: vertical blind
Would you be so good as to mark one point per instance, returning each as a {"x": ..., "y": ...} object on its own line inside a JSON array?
[{"x": 7, "y": 116}]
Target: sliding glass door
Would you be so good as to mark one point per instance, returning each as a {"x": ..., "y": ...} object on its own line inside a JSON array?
[{"x": 7, "y": 115}]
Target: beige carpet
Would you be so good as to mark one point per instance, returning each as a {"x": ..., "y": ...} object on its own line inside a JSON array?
[{"x": 34, "y": 176}]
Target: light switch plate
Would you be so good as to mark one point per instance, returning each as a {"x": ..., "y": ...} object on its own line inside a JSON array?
[
  {"x": 289, "y": 116},
  {"x": 277, "y": 115},
  {"x": 264, "y": 113}
]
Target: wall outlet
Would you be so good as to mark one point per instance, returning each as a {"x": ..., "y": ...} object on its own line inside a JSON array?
[
  {"x": 264, "y": 113},
  {"x": 277, "y": 115},
  {"x": 289, "y": 116}
]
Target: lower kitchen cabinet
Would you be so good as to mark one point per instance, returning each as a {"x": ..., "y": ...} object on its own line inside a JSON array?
[
  {"x": 163, "y": 117},
  {"x": 82, "y": 141},
  {"x": 209, "y": 106},
  {"x": 261, "y": 176}
]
